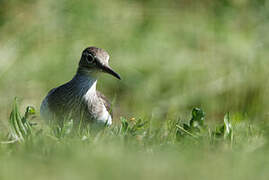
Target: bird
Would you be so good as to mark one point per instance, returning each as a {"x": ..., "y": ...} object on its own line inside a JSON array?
[{"x": 78, "y": 99}]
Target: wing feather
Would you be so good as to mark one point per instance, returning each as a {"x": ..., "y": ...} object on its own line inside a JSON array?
[{"x": 105, "y": 102}]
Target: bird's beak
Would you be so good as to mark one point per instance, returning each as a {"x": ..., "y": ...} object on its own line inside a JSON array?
[{"x": 109, "y": 70}]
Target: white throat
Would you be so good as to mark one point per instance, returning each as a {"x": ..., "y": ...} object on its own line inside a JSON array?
[
  {"x": 95, "y": 104},
  {"x": 91, "y": 93},
  {"x": 86, "y": 84}
]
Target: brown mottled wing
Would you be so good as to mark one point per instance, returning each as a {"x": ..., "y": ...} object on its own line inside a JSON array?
[{"x": 106, "y": 103}]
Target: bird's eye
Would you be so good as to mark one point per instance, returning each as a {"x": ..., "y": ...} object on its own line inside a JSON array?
[{"x": 89, "y": 58}]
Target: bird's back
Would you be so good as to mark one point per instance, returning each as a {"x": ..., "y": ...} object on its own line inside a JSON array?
[{"x": 64, "y": 102}]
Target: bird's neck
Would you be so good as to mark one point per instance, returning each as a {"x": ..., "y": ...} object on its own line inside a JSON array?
[{"x": 85, "y": 82}]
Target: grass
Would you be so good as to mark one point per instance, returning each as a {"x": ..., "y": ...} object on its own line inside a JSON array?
[
  {"x": 173, "y": 56},
  {"x": 136, "y": 149}
]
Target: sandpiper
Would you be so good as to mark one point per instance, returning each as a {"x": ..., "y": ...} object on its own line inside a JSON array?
[{"x": 78, "y": 99}]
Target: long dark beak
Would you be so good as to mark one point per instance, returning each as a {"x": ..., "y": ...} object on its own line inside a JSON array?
[{"x": 109, "y": 70}]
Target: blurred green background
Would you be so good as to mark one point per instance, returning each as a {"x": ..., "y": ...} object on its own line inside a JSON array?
[{"x": 172, "y": 55}]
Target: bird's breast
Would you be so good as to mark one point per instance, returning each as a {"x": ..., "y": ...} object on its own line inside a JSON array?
[
  {"x": 76, "y": 99},
  {"x": 97, "y": 108}
]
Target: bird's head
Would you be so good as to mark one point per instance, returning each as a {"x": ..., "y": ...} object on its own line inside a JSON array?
[{"x": 95, "y": 60}]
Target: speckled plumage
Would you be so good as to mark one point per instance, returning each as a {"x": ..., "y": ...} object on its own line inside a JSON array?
[{"x": 78, "y": 99}]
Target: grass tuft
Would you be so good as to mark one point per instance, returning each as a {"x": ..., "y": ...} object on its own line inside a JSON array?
[{"x": 20, "y": 127}]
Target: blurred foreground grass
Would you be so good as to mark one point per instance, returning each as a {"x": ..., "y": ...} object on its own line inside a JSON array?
[
  {"x": 136, "y": 149},
  {"x": 172, "y": 55}
]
